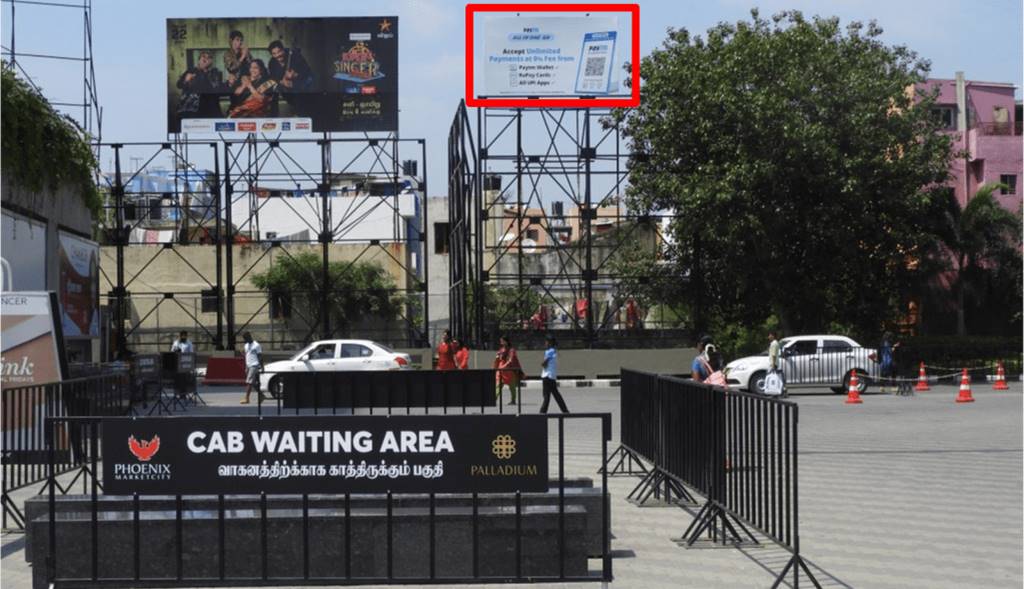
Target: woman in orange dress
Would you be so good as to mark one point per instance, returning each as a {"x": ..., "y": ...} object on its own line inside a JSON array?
[
  {"x": 255, "y": 93},
  {"x": 510, "y": 372}
]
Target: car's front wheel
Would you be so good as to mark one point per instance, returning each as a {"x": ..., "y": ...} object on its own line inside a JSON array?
[
  {"x": 757, "y": 382},
  {"x": 862, "y": 381},
  {"x": 275, "y": 387}
]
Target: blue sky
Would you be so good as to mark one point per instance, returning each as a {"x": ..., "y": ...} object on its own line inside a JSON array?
[{"x": 982, "y": 38}]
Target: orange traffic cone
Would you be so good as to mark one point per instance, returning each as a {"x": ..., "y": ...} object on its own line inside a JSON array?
[
  {"x": 1000, "y": 384},
  {"x": 965, "y": 389},
  {"x": 922, "y": 380},
  {"x": 853, "y": 395}
]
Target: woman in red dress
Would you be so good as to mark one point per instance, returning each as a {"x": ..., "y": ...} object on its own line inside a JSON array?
[
  {"x": 510, "y": 372},
  {"x": 446, "y": 352},
  {"x": 461, "y": 355}
]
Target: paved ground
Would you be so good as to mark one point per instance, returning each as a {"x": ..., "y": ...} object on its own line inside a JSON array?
[{"x": 897, "y": 492}]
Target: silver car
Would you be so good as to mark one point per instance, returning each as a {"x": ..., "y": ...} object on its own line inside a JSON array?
[{"x": 819, "y": 361}]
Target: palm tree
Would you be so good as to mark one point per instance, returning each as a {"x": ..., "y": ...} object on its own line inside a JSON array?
[{"x": 975, "y": 240}]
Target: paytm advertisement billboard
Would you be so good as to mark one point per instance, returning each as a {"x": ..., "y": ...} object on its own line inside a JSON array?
[
  {"x": 274, "y": 75},
  {"x": 527, "y": 55}
]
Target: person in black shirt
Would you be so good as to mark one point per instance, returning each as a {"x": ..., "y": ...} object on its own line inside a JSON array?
[
  {"x": 292, "y": 73},
  {"x": 200, "y": 88}
]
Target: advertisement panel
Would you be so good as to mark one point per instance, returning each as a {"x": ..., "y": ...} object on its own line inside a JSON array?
[
  {"x": 552, "y": 55},
  {"x": 31, "y": 340},
  {"x": 282, "y": 75},
  {"x": 79, "y": 285},
  {"x": 24, "y": 253},
  {"x": 329, "y": 454}
]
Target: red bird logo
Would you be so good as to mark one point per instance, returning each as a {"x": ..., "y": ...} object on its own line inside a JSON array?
[{"x": 144, "y": 450}]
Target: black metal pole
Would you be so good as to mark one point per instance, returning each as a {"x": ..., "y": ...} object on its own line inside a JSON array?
[
  {"x": 588, "y": 279},
  {"x": 519, "y": 209},
  {"x": 229, "y": 234},
  {"x": 122, "y": 233},
  {"x": 478, "y": 211},
  {"x": 218, "y": 239},
  {"x": 424, "y": 285},
  {"x": 325, "y": 238}
]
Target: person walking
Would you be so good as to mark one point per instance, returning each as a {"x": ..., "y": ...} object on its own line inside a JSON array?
[
  {"x": 446, "y": 352},
  {"x": 461, "y": 355},
  {"x": 509, "y": 370},
  {"x": 549, "y": 377},
  {"x": 253, "y": 366},
  {"x": 887, "y": 358},
  {"x": 182, "y": 345}
]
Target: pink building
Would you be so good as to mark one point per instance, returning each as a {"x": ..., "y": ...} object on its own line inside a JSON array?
[{"x": 985, "y": 121}]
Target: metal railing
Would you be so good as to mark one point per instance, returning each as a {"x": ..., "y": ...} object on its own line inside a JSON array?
[
  {"x": 391, "y": 391},
  {"x": 88, "y": 563},
  {"x": 23, "y": 411},
  {"x": 738, "y": 450}
]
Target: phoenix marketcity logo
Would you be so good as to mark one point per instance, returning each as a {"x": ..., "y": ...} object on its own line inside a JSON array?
[
  {"x": 144, "y": 450},
  {"x": 503, "y": 446}
]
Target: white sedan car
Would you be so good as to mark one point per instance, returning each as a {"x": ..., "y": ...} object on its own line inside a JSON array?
[
  {"x": 809, "y": 361},
  {"x": 334, "y": 356}
]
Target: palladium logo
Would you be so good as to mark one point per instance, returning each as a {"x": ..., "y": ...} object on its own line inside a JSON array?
[{"x": 503, "y": 446}]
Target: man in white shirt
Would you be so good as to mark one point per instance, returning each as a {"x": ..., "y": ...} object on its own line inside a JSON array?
[
  {"x": 253, "y": 365},
  {"x": 182, "y": 345}
]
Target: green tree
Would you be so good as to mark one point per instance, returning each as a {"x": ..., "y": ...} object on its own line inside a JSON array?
[
  {"x": 355, "y": 290},
  {"x": 42, "y": 148},
  {"x": 979, "y": 243},
  {"x": 505, "y": 307},
  {"x": 799, "y": 165}
]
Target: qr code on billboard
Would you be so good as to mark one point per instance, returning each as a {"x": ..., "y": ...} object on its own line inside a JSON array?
[{"x": 594, "y": 67}]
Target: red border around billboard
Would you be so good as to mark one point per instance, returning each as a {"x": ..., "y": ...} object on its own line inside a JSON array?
[{"x": 633, "y": 100}]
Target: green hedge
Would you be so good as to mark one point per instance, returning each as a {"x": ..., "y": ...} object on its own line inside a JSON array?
[{"x": 41, "y": 148}]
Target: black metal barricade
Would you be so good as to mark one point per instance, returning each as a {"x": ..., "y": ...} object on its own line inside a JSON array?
[
  {"x": 87, "y": 561},
  {"x": 738, "y": 450},
  {"x": 460, "y": 391},
  {"x": 24, "y": 452},
  {"x": 639, "y": 440}
]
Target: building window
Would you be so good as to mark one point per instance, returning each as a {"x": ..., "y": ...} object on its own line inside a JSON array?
[
  {"x": 1010, "y": 181},
  {"x": 441, "y": 238},
  {"x": 946, "y": 116},
  {"x": 532, "y": 234}
]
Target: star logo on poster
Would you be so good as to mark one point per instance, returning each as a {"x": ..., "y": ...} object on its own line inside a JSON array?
[{"x": 385, "y": 26}]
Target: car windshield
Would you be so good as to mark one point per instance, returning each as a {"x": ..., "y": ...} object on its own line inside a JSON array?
[{"x": 385, "y": 348}]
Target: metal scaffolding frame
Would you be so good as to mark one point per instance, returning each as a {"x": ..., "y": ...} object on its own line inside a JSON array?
[
  {"x": 507, "y": 174},
  {"x": 91, "y": 118},
  {"x": 219, "y": 203}
]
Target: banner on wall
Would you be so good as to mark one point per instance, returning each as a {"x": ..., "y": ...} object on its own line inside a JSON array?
[
  {"x": 32, "y": 340},
  {"x": 79, "y": 286},
  {"x": 23, "y": 253}
]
